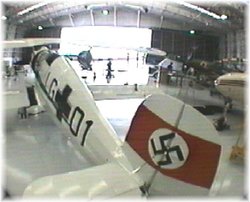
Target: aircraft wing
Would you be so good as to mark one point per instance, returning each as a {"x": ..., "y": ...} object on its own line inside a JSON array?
[
  {"x": 108, "y": 180},
  {"x": 153, "y": 51},
  {"x": 30, "y": 42}
]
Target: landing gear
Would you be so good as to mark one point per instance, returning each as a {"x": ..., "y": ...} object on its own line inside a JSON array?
[
  {"x": 228, "y": 103},
  {"x": 221, "y": 123},
  {"x": 22, "y": 111}
]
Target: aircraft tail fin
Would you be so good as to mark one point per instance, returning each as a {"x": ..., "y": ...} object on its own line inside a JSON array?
[{"x": 178, "y": 146}]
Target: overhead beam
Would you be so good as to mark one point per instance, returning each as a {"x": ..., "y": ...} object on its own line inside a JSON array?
[
  {"x": 115, "y": 16},
  {"x": 159, "y": 7},
  {"x": 194, "y": 16},
  {"x": 52, "y": 22},
  {"x": 161, "y": 22},
  {"x": 138, "y": 18},
  {"x": 71, "y": 20},
  {"x": 92, "y": 18}
]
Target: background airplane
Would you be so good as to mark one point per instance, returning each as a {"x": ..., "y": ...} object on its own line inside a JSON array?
[
  {"x": 204, "y": 72},
  {"x": 232, "y": 86},
  {"x": 85, "y": 57}
]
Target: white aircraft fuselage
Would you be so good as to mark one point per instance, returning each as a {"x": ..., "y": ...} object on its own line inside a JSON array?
[{"x": 73, "y": 105}]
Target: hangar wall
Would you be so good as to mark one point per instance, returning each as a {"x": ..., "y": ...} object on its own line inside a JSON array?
[
  {"x": 12, "y": 32},
  {"x": 183, "y": 43},
  {"x": 117, "y": 17},
  {"x": 53, "y": 32},
  {"x": 233, "y": 45}
]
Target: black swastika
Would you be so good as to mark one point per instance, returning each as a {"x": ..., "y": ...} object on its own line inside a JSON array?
[{"x": 166, "y": 149}]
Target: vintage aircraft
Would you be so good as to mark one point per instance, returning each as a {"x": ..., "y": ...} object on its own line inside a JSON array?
[
  {"x": 156, "y": 62},
  {"x": 85, "y": 57},
  {"x": 232, "y": 85},
  {"x": 205, "y": 72},
  {"x": 172, "y": 151}
]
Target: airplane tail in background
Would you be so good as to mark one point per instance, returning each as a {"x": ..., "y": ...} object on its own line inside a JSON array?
[{"x": 178, "y": 146}]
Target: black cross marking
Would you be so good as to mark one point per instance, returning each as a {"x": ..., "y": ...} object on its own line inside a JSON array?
[
  {"x": 63, "y": 107},
  {"x": 166, "y": 149}
]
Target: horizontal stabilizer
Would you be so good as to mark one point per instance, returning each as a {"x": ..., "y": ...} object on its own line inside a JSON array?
[{"x": 103, "y": 181}]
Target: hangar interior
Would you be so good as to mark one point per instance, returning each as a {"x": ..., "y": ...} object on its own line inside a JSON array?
[{"x": 209, "y": 38}]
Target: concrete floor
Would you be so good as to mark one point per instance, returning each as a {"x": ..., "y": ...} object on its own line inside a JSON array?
[{"x": 23, "y": 158}]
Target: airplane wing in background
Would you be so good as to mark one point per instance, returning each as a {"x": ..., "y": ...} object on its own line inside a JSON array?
[{"x": 31, "y": 42}]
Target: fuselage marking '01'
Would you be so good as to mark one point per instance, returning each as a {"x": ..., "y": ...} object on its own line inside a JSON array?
[{"x": 60, "y": 101}]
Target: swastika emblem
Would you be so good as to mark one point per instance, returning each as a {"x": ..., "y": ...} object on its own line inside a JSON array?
[{"x": 167, "y": 149}]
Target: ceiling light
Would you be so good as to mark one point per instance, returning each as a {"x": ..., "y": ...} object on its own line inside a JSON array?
[
  {"x": 105, "y": 12},
  {"x": 40, "y": 27},
  {"x": 34, "y": 7},
  {"x": 223, "y": 17},
  {"x": 3, "y": 17},
  {"x": 192, "y": 32},
  {"x": 199, "y": 9}
]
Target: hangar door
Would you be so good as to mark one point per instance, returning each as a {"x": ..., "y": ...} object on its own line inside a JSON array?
[{"x": 104, "y": 42}]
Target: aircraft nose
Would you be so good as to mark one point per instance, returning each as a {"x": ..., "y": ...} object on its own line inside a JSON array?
[
  {"x": 217, "y": 82},
  {"x": 220, "y": 80}
]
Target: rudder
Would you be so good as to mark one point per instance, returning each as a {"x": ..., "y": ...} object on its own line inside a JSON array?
[{"x": 178, "y": 142}]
